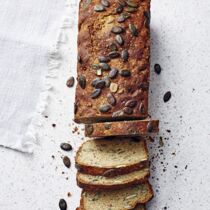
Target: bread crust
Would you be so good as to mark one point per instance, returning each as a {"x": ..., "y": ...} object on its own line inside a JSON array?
[
  {"x": 110, "y": 172},
  {"x": 94, "y": 39},
  {"x": 122, "y": 128}
]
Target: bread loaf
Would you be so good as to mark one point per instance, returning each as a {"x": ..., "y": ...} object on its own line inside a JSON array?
[{"x": 113, "y": 60}]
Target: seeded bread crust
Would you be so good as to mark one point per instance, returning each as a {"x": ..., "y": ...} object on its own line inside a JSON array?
[
  {"x": 85, "y": 166},
  {"x": 93, "y": 183},
  {"x": 123, "y": 128},
  {"x": 123, "y": 199},
  {"x": 125, "y": 95}
]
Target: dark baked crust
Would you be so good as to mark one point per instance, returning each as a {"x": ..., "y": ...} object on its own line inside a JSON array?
[
  {"x": 122, "y": 128},
  {"x": 94, "y": 39}
]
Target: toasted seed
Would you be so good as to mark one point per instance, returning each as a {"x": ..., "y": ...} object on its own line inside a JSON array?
[
  {"x": 95, "y": 66},
  {"x": 123, "y": 17},
  {"x": 95, "y": 81},
  {"x": 113, "y": 47},
  {"x": 118, "y": 113},
  {"x": 111, "y": 99},
  {"x": 66, "y": 161},
  {"x": 113, "y": 73},
  {"x": 107, "y": 81},
  {"x": 125, "y": 73},
  {"x": 133, "y": 29},
  {"x": 148, "y": 17},
  {"x": 66, "y": 146},
  {"x": 104, "y": 108},
  {"x": 119, "y": 39},
  {"x": 62, "y": 204},
  {"x": 142, "y": 108},
  {"x": 130, "y": 9},
  {"x": 89, "y": 129},
  {"x": 95, "y": 93},
  {"x": 131, "y": 103},
  {"x": 70, "y": 82},
  {"x": 119, "y": 9},
  {"x": 157, "y": 68},
  {"x": 122, "y": 2},
  {"x": 82, "y": 81},
  {"x": 117, "y": 30},
  {"x": 113, "y": 87},
  {"x": 98, "y": 72},
  {"x": 99, "y": 8},
  {"x": 100, "y": 84},
  {"x": 114, "y": 54},
  {"x": 150, "y": 127},
  {"x": 167, "y": 96},
  {"x": 144, "y": 86},
  {"x": 132, "y": 4},
  {"x": 128, "y": 110},
  {"x": 125, "y": 55},
  {"x": 104, "y": 66},
  {"x": 105, "y": 3},
  {"x": 103, "y": 59}
]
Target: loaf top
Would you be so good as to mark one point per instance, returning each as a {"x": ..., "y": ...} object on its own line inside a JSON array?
[
  {"x": 113, "y": 61},
  {"x": 112, "y": 153},
  {"x": 122, "y": 199}
]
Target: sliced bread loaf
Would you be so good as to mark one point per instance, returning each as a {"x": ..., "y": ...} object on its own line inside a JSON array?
[
  {"x": 123, "y": 199},
  {"x": 111, "y": 157},
  {"x": 90, "y": 182},
  {"x": 122, "y": 128}
]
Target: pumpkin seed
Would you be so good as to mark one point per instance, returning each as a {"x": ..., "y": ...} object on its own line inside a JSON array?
[
  {"x": 119, "y": 9},
  {"x": 95, "y": 93},
  {"x": 62, "y": 204},
  {"x": 66, "y": 161},
  {"x": 98, "y": 72},
  {"x": 123, "y": 17},
  {"x": 82, "y": 81},
  {"x": 105, "y": 3},
  {"x": 142, "y": 108},
  {"x": 70, "y": 82},
  {"x": 111, "y": 99},
  {"x": 103, "y": 59},
  {"x": 167, "y": 96},
  {"x": 95, "y": 66},
  {"x": 114, "y": 54},
  {"x": 117, "y": 30},
  {"x": 100, "y": 84},
  {"x": 104, "y": 108},
  {"x": 118, "y": 113},
  {"x": 107, "y": 81},
  {"x": 131, "y": 103},
  {"x": 157, "y": 68},
  {"x": 104, "y": 66},
  {"x": 132, "y": 4},
  {"x": 95, "y": 81},
  {"x": 130, "y": 9},
  {"x": 113, "y": 47},
  {"x": 122, "y": 2},
  {"x": 89, "y": 129},
  {"x": 113, "y": 87},
  {"x": 119, "y": 39},
  {"x": 128, "y": 110},
  {"x": 133, "y": 29},
  {"x": 66, "y": 146},
  {"x": 113, "y": 73},
  {"x": 125, "y": 73},
  {"x": 150, "y": 127},
  {"x": 99, "y": 8},
  {"x": 148, "y": 17},
  {"x": 125, "y": 55}
]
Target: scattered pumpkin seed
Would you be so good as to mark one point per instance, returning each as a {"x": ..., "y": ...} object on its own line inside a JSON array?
[
  {"x": 103, "y": 59},
  {"x": 113, "y": 87},
  {"x": 119, "y": 9},
  {"x": 82, "y": 81},
  {"x": 148, "y": 17},
  {"x": 66, "y": 146},
  {"x": 133, "y": 29},
  {"x": 113, "y": 73},
  {"x": 95, "y": 81},
  {"x": 125, "y": 73},
  {"x": 131, "y": 103},
  {"x": 114, "y": 54},
  {"x": 128, "y": 110},
  {"x": 113, "y": 47},
  {"x": 89, "y": 129},
  {"x": 104, "y": 66},
  {"x": 111, "y": 99},
  {"x": 150, "y": 127},
  {"x": 125, "y": 55},
  {"x": 132, "y": 4},
  {"x": 118, "y": 113},
  {"x": 167, "y": 96},
  {"x": 66, "y": 161},
  {"x": 119, "y": 39},
  {"x": 95, "y": 93},
  {"x": 157, "y": 68},
  {"x": 123, "y": 17},
  {"x": 142, "y": 108},
  {"x": 130, "y": 9},
  {"x": 100, "y": 84},
  {"x": 70, "y": 82},
  {"x": 117, "y": 30},
  {"x": 107, "y": 81},
  {"x": 99, "y": 8},
  {"x": 104, "y": 108},
  {"x": 62, "y": 204},
  {"x": 122, "y": 2},
  {"x": 105, "y": 3}
]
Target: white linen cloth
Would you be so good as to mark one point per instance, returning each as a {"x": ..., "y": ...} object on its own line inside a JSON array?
[{"x": 28, "y": 30}]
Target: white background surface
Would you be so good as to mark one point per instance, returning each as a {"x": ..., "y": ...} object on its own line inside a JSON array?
[{"x": 181, "y": 44}]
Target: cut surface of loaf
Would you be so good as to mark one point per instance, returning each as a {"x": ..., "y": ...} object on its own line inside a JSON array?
[
  {"x": 122, "y": 128},
  {"x": 112, "y": 156},
  {"x": 123, "y": 199},
  {"x": 113, "y": 61},
  {"x": 90, "y": 182}
]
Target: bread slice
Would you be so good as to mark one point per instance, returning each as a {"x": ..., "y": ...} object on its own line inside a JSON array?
[
  {"x": 112, "y": 156},
  {"x": 90, "y": 182},
  {"x": 123, "y": 199},
  {"x": 122, "y": 128}
]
